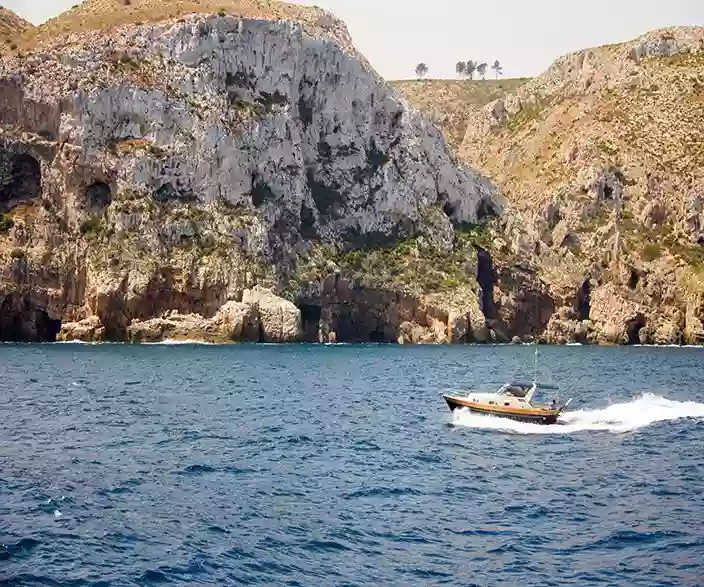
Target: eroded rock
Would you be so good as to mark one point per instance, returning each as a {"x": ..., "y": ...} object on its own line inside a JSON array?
[
  {"x": 90, "y": 329},
  {"x": 279, "y": 319}
]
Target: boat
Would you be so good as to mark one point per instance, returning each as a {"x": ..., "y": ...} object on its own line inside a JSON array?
[{"x": 512, "y": 400}]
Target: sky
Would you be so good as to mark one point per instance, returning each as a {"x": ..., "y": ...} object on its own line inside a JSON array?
[{"x": 524, "y": 35}]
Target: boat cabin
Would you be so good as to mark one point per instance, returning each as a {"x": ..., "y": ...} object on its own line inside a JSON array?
[{"x": 518, "y": 390}]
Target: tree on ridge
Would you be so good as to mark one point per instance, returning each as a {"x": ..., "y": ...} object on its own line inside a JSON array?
[
  {"x": 481, "y": 70},
  {"x": 421, "y": 70},
  {"x": 498, "y": 68},
  {"x": 469, "y": 68},
  {"x": 461, "y": 68}
]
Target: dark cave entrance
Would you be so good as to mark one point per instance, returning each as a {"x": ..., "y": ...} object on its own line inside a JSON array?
[
  {"x": 378, "y": 336},
  {"x": 310, "y": 317},
  {"x": 486, "y": 210},
  {"x": 486, "y": 279},
  {"x": 448, "y": 209},
  {"x": 633, "y": 279},
  {"x": 24, "y": 182},
  {"x": 47, "y": 329},
  {"x": 633, "y": 329},
  {"x": 98, "y": 196},
  {"x": 26, "y": 324},
  {"x": 10, "y": 324},
  {"x": 584, "y": 301}
]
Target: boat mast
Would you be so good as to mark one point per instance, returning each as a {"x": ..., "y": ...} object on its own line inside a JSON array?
[{"x": 535, "y": 366}]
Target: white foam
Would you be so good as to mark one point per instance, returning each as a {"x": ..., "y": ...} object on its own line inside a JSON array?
[
  {"x": 625, "y": 417},
  {"x": 174, "y": 342}
]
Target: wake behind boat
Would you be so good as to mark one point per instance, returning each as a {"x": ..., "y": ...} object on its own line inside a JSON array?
[{"x": 512, "y": 400}]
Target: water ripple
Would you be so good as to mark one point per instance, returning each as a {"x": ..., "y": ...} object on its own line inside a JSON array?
[{"x": 340, "y": 465}]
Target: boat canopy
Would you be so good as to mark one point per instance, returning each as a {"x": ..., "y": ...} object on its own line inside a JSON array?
[{"x": 516, "y": 389}]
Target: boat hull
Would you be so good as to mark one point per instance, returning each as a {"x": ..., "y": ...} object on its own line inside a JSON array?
[{"x": 532, "y": 416}]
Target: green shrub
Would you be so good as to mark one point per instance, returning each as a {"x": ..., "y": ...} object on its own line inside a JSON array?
[
  {"x": 17, "y": 254},
  {"x": 651, "y": 252},
  {"x": 90, "y": 226},
  {"x": 6, "y": 223}
]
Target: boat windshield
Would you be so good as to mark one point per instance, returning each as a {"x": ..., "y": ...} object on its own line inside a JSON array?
[{"x": 515, "y": 389}]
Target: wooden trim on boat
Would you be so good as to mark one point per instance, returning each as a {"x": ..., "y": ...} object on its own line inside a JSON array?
[{"x": 537, "y": 412}]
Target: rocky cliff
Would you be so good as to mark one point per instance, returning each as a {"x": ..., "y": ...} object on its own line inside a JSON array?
[
  {"x": 601, "y": 163},
  {"x": 176, "y": 167}
]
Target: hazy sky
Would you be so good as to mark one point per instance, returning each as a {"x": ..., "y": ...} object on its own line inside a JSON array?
[{"x": 525, "y": 35}]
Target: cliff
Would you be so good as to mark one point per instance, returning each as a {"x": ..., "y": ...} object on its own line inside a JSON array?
[
  {"x": 168, "y": 167},
  {"x": 601, "y": 164}
]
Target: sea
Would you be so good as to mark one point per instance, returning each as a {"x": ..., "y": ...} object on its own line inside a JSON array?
[{"x": 341, "y": 465}]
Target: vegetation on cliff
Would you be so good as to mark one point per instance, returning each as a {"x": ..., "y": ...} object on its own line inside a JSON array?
[
  {"x": 449, "y": 103},
  {"x": 11, "y": 28}
]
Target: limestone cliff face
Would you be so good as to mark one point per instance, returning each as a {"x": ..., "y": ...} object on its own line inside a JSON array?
[{"x": 170, "y": 166}]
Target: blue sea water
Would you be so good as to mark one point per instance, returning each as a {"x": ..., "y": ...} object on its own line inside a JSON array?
[{"x": 341, "y": 465}]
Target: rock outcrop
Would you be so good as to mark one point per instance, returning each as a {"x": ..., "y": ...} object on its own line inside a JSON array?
[
  {"x": 88, "y": 330},
  {"x": 234, "y": 322},
  {"x": 156, "y": 161},
  {"x": 279, "y": 319}
]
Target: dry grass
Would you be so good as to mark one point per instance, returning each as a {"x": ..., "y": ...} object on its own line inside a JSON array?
[
  {"x": 11, "y": 28},
  {"x": 449, "y": 102},
  {"x": 105, "y": 15},
  {"x": 654, "y": 126}
]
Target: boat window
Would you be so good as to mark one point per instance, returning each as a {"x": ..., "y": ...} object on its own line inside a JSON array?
[
  {"x": 492, "y": 403},
  {"x": 507, "y": 404}
]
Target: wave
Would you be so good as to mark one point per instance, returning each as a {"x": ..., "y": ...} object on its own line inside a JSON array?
[
  {"x": 174, "y": 342},
  {"x": 623, "y": 417}
]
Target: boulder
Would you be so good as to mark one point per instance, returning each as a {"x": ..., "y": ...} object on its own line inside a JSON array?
[
  {"x": 279, "y": 319},
  {"x": 667, "y": 334},
  {"x": 564, "y": 329},
  {"x": 234, "y": 322},
  {"x": 89, "y": 330},
  {"x": 238, "y": 321}
]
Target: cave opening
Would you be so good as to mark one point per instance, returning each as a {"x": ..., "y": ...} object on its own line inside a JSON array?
[
  {"x": 377, "y": 335},
  {"x": 633, "y": 329},
  {"x": 10, "y": 324},
  {"x": 633, "y": 279},
  {"x": 307, "y": 229},
  {"x": 26, "y": 324},
  {"x": 448, "y": 209},
  {"x": 584, "y": 300},
  {"x": 98, "y": 196},
  {"x": 310, "y": 317},
  {"x": 486, "y": 209},
  {"x": 486, "y": 278},
  {"x": 24, "y": 182},
  {"x": 46, "y": 329}
]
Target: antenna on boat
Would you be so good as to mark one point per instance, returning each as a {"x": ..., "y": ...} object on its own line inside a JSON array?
[{"x": 535, "y": 365}]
